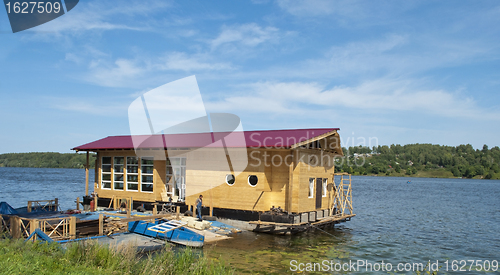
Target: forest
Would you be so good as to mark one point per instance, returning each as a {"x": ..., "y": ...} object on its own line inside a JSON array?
[
  {"x": 46, "y": 160},
  {"x": 414, "y": 160},
  {"x": 422, "y": 160}
]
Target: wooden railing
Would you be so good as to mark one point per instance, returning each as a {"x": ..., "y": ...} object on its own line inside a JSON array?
[
  {"x": 341, "y": 195},
  {"x": 44, "y": 205},
  {"x": 56, "y": 228}
]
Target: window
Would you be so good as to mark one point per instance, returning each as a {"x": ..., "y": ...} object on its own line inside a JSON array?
[
  {"x": 230, "y": 179},
  {"x": 118, "y": 173},
  {"x": 147, "y": 174},
  {"x": 325, "y": 183},
  {"x": 311, "y": 187},
  {"x": 132, "y": 173},
  {"x": 106, "y": 173},
  {"x": 176, "y": 176},
  {"x": 252, "y": 180}
]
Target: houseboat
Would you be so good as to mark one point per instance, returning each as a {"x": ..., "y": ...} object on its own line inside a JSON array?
[{"x": 272, "y": 179}]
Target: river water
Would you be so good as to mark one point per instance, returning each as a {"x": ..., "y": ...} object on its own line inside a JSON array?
[{"x": 397, "y": 223}]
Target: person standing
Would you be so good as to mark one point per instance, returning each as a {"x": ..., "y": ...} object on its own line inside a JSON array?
[{"x": 199, "y": 202}]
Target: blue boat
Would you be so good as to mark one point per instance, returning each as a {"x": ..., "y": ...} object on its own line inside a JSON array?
[{"x": 164, "y": 229}]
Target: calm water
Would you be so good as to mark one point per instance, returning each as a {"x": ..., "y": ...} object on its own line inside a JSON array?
[
  {"x": 19, "y": 185},
  {"x": 396, "y": 222}
]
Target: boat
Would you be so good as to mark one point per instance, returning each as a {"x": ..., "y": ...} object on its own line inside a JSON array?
[
  {"x": 141, "y": 243},
  {"x": 170, "y": 230}
]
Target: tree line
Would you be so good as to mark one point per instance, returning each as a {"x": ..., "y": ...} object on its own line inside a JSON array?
[
  {"x": 423, "y": 160},
  {"x": 46, "y": 160}
]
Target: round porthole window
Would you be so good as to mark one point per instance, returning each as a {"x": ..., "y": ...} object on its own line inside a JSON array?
[
  {"x": 230, "y": 179},
  {"x": 252, "y": 180}
]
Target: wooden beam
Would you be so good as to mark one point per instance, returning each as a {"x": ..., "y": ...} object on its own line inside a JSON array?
[
  {"x": 72, "y": 227},
  {"x": 101, "y": 224},
  {"x": 313, "y": 139},
  {"x": 87, "y": 175},
  {"x": 133, "y": 219},
  {"x": 288, "y": 192},
  {"x": 15, "y": 227}
]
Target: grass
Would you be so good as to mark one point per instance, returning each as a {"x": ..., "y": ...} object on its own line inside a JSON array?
[{"x": 18, "y": 257}]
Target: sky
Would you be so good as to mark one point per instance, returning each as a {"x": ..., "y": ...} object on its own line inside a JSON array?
[{"x": 384, "y": 72}]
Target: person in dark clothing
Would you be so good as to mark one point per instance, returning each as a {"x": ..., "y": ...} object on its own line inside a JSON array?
[{"x": 199, "y": 202}]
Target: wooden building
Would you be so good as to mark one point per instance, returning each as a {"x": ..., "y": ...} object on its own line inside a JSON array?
[{"x": 239, "y": 174}]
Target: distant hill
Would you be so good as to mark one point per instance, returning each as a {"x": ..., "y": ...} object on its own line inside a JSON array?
[
  {"x": 422, "y": 160},
  {"x": 46, "y": 160}
]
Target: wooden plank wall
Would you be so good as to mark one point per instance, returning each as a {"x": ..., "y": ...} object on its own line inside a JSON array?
[{"x": 206, "y": 170}]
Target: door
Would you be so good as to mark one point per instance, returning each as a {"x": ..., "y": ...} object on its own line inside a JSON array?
[
  {"x": 176, "y": 176},
  {"x": 319, "y": 192}
]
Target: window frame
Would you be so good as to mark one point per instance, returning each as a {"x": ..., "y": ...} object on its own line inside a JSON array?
[
  {"x": 110, "y": 173},
  {"x": 115, "y": 173},
  {"x": 312, "y": 183},
  {"x": 234, "y": 179},
  {"x": 248, "y": 180},
  {"x": 325, "y": 184},
  {"x": 142, "y": 183},
  {"x": 136, "y": 183}
]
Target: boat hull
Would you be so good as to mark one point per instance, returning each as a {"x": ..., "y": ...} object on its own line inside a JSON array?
[{"x": 182, "y": 236}]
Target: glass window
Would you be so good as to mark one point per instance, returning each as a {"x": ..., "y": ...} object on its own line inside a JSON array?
[
  {"x": 252, "y": 180},
  {"x": 147, "y": 169},
  {"x": 230, "y": 179},
  {"x": 325, "y": 183},
  {"x": 118, "y": 173},
  {"x": 132, "y": 173},
  {"x": 311, "y": 187},
  {"x": 106, "y": 172}
]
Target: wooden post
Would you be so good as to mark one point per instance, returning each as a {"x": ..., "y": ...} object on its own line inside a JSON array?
[
  {"x": 56, "y": 204},
  {"x": 211, "y": 196},
  {"x": 155, "y": 209},
  {"x": 211, "y": 210},
  {"x": 77, "y": 203},
  {"x": 131, "y": 206},
  {"x": 289, "y": 187},
  {"x": 194, "y": 211},
  {"x": 177, "y": 212},
  {"x": 29, "y": 206},
  {"x": 87, "y": 175},
  {"x": 101, "y": 225},
  {"x": 72, "y": 227},
  {"x": 34, "y": 224},
  {"x": 96, "y": 202},
  {"x": 15, "y": 227},
  {"x": 111, "y": 202},
  {"x": 128, "y": 213}
]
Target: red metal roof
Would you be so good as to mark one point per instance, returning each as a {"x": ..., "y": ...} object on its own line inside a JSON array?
[{"x": 255, "y": 139}]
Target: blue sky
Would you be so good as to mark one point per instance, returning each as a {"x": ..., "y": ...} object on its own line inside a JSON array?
[{"x": 398, "y": 71}]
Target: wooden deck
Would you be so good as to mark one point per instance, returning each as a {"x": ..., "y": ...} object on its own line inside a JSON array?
[{"x": 285, "y": 228}]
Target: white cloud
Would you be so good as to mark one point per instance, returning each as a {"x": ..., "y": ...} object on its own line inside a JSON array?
[
  {"x": 249, "y": 35},
  {"x": 349, "y": 13},
  {"x": 392, "y": 55},
  {"x": 372, "y": 97},
  {"x": 101, "y": 15},
  {"x": 83, "y": 106},
  {"x": 117, "y": 74},
  {"x": 124, "y": 72},
  {"x": 308, "y": 7},
  {"x": 181, "y": 61}
]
